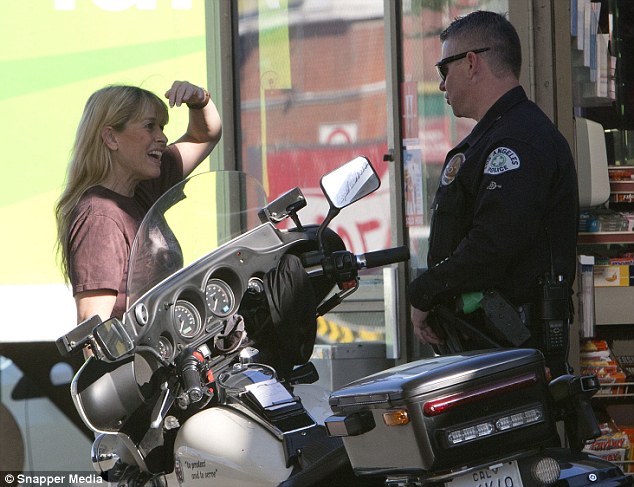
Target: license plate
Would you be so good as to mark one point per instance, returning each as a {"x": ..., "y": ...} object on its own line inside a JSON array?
[{"x": 504, "y": 475}]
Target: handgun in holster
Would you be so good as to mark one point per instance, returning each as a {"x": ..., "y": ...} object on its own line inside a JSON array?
[{"x": 499, "y": 323}]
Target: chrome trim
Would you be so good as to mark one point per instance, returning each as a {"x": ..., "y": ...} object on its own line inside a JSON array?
[{"x": 77, "y": 401}]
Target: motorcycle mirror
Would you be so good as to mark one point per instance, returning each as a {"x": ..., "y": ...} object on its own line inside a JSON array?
[
  {"x": 105, "y": 452},
  {"x": 111, "y": 340},
  {"x": 286, "y": 205},
  {"x": 349, "y": 183}
]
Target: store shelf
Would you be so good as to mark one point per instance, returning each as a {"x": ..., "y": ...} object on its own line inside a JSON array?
[
  {"x": 622, "y": 186},
  {"x": 604, "y": 238},
  {"x": 616, "y": 391}
]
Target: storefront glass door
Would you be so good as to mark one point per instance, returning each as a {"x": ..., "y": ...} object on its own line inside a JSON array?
[
  {"x": 429, "y": 128},
  {"x": 312, "y": 91}
]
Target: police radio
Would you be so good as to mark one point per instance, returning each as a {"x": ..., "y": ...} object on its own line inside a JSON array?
[{"x": 552, "y": 315}]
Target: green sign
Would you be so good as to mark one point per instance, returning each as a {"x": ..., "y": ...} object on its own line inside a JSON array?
[{"x": 54, "y": 54}]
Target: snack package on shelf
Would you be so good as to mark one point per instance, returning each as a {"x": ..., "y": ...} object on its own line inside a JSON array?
[
  {"x": 597, "y": 359},
  {"x": 608, "y": 275},
  {"x": 602, "y": 220},
  {"x": 594, "y": 345},
  {"x": 613, "y": 271},
  {"x": 613, "y": 445},
  {"x": 629, "y": 431},
  {"x": 621, "y": 173},
  {"x": 622, "y": 198},
  {"x": 617, "y": 455},
  {"x": 629, "y": 216}
]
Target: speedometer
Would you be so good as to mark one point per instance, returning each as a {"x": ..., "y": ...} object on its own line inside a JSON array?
[
  {"x": 219, "y": 297},
  {"x": 187, "y": 319}
]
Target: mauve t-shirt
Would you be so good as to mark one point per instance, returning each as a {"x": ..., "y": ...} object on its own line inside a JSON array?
[{"x": 103, "y": 227}]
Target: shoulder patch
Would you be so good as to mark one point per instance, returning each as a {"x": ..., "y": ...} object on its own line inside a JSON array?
[
  {"x": 452, "y": 168},
  {"x": 501, "y": 160}
]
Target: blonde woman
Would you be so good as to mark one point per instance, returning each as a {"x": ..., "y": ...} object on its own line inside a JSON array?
[{"x": 121, "y": 163}]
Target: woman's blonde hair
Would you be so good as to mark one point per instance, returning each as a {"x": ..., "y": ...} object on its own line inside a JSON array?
[{"x": 113, "y": 106}]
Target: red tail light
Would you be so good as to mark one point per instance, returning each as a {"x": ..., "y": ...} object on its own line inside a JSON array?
[{"x": 444, "y": 404}]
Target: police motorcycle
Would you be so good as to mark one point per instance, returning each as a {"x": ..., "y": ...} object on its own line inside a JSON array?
[
  {"x": 207, "y": 379},
  {"x": 489, "y": 417}
]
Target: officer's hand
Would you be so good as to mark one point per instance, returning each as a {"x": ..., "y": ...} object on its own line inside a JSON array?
[{"x": 422, "y": 330}]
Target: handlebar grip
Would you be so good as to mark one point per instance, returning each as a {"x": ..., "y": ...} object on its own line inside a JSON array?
[
  {"x": 380, "y": 258},
  {"x": 190, "y": 374}
]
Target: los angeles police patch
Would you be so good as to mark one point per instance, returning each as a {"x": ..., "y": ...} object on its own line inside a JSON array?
[
  {"x": 501, "y": 160},
  {"x": 451, "y": 169}
]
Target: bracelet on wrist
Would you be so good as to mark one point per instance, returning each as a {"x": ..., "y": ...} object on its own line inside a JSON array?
[{"x": 201, "y": 104}]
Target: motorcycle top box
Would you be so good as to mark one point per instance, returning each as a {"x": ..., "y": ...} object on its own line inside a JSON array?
[{"x": 445, "y": 412}]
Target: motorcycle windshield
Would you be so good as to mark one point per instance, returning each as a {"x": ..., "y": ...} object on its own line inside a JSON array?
[{"x": 190, "y": 220}]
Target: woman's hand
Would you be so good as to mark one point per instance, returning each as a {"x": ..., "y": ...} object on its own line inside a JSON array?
[
  {"x": 204, "y": 128},
  {"x": 186, "y": 92}
]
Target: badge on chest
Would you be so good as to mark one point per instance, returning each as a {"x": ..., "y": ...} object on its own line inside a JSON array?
[{"x": 451, "y": 169}]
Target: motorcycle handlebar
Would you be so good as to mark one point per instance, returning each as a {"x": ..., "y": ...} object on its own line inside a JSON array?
[
  {"x": 343, "y": 264},
  {"x": 379, "y": 258},
  {"x": 190, "y": 374}
]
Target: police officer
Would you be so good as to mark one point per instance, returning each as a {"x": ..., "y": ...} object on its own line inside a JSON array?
[{"x": 505, "y": 213}]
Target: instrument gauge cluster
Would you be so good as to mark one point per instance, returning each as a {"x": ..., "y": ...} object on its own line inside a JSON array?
[
  {"x": 195, "y": 313},
  {"x": 219, "y": 297},
  {"x": 187, "y": 319}
]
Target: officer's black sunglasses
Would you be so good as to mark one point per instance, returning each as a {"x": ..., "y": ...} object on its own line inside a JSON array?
[{"x": 441, "y": 65}]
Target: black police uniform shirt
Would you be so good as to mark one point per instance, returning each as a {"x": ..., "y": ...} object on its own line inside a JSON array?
[{"x": 506, "y": 207}]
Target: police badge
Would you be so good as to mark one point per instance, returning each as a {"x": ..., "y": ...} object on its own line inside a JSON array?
[{"x": 451, "y": 169}]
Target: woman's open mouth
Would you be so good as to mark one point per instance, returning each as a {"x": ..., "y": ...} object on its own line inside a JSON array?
[{"x": 156, "y": 154}]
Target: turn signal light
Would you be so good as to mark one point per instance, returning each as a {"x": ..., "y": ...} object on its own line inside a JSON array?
[{"x": 398, "y": 417}]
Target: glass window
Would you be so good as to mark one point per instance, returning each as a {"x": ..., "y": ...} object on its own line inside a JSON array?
[
  {"x": 312, "y": 90},
  {"x": 313, "y": 96},
  {"x": 429, "y": 129}
]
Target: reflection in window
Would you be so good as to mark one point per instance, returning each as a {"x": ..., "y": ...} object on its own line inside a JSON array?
[
  {"x": 313, "y": 96},
  {"x": 430, "y": 129}
]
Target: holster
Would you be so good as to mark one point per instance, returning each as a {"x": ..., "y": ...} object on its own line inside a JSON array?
[
  {"x": 496, "y": 324},
  {"x": 505, "y": 321}
]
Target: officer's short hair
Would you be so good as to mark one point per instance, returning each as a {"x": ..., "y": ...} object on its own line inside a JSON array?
[{"x": 482, "y": 29}]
